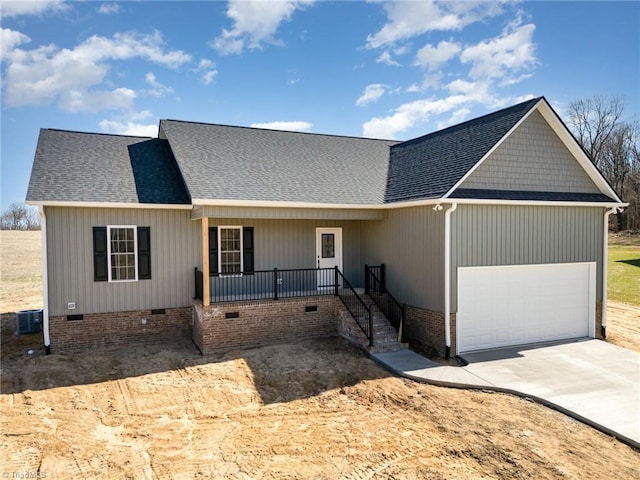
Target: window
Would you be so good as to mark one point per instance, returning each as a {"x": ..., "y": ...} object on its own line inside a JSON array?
[
  {"x": 121, "y": 253},
  {"x": 230, "y": 250},
  {"x": 328, "y": 245}
]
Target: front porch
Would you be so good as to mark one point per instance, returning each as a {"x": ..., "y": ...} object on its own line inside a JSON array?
[
  {"x": 285, "y": 305},
  {"x": 316, "y": 288}
]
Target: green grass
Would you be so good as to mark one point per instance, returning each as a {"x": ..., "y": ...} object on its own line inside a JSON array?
[{"x": 624, "y": 269}]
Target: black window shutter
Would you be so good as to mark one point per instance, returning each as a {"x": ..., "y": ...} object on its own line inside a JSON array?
[
  {"x": 100, "y": 273},
  {"x": 213, "y": 251},
  {"x": 144, "y": 253},
  {"x": 247, "y": 247}
]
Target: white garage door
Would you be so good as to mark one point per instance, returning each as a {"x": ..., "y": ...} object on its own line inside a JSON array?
[{"x": 518, "y": 304}]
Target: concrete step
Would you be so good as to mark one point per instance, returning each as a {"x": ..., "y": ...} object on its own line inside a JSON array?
[
  {"x": 392, "y": 337},
  {"x": 385, "y": 336},
  {"x": 388, "y": 347}
]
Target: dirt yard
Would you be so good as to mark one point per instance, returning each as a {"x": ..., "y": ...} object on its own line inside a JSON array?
[
  {"x": 623, "y": 325},
  {"x": 316, "y": 409},
  {"x": 310, "y": 410}
]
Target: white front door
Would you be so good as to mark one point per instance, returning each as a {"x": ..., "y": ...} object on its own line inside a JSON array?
[{"x": 328, "y": 254}]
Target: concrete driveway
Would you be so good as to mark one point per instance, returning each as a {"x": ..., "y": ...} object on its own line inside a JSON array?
[{"x": 591, "y": 378}]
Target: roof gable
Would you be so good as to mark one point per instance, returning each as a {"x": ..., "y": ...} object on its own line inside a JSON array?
[
  {"x": 247, "y": 164},
  {"x": 95, "y": 168},
  {"x": 429, "y": 166},
  {"x": 531, "y": 158}
]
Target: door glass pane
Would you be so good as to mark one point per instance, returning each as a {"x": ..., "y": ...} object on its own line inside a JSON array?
[{"x": 328, "y": 245}]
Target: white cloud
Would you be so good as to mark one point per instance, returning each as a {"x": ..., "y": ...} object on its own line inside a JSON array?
[
  {"x": 385, "y": 57},
  {"x": 371, "y": 93},
  {"x": 208, "y": 70},
  {"x": 408, "y": 19},
  {"x": 74, "y": 78},
  {"x": 432, "y": 58},
  {"x": 94, "y": 101},
  {"x": 9, "y": 40},
  {"x": 109, "y": 8},
  {"x": 470, "y": 94},
  {"x": 409, "y": 114},
  {"x": 30, "y": 7},
  {"x": 458, "y": 116},
  {"x": 431, "y": 80},
  {"x": 157, "y": 89},
  {"x": 487, "y": 66},
  {"x": 511, "y": 52},
  {"x": 255, "y": 22},
  {"x": 295, "y": 126},
  {"x": 129, "y": 128},
  {"x": 465, "y": 87}
]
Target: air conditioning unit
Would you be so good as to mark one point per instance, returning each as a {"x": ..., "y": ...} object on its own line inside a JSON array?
[{"x": 28, "y": 321}]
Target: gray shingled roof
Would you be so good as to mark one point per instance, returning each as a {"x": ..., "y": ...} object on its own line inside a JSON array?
[
  {"x": 90, "y": 167},
  {"x": 239, "y": 163},
  {"x": 217, "y": 162},
  {"x": 429, "y": 166}
]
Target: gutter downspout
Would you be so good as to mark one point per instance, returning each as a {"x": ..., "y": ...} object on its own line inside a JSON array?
[
  {"x": 605, "y": 247},
  {"x": 45, "y": 281},
  {"x": 447, "y": 278}
]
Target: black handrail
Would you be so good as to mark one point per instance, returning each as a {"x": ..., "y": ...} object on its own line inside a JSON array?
[
  {"x": 362, "y": 314},
  {"x": 377, "y": 290}
]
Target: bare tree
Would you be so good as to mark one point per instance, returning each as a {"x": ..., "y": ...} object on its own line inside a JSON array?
[
  {"x": 32, "y": 220},
  {"x": 613, "y": 145},
  {"x": 20, "y": 217},
  {"x": 593, "y": 121},
  {"x": 15, "y": 216}
]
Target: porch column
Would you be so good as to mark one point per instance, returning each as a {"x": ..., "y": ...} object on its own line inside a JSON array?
[{"x": 206, "y": 296}]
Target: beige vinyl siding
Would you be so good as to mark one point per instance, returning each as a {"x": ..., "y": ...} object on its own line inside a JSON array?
[
  {"x": 532, "y": 158},
  {"x": 411, "y": 245},
  {"x": 289, "y": 244},
  {"x": 485, "y": 235},
  {"x": 288, "y": 213},
  {"x": 174, "y": 253}
]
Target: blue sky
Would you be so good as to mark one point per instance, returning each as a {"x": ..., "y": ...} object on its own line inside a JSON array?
[{"x": 376, "y": 69}]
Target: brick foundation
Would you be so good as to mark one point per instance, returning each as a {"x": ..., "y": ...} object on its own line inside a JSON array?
[
  {"x": 249, "y": 324},
  {"x": 118, "y": 328},
  {"x": 427, "y": 328},
  {"x": 349, "y": 329}
]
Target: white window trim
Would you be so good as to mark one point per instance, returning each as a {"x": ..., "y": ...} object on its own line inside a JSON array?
[
  {"x": 135, "y": 251},
  {"x": 230, "y": 275}
]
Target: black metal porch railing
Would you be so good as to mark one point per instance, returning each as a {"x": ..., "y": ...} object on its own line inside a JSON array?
[
  {"x": 271, "y": 284},
  {"x": 375, "y": 287},
  {"x": 362, "y": 314}
]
